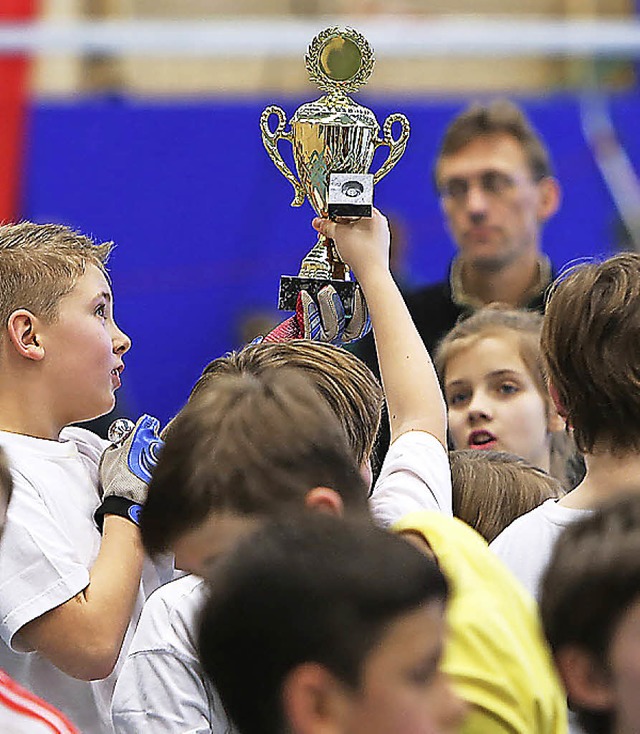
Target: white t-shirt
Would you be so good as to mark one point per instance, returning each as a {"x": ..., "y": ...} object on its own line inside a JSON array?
[
  {"x": 526, "y": 545},
  {"x": 415, "y": 476},
  {"x": 161, "y": 688},
  {"x": 49, "y": 544}
]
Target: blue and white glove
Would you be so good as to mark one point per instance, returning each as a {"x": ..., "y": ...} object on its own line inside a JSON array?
[
  {"x": 324, "y": 320},
  {"x": 125, "y": 470}
]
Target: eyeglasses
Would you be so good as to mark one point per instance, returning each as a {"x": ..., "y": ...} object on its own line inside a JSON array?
[{"x": 494, "y": 183}]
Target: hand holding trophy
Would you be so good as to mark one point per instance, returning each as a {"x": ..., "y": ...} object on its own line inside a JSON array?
[{"x": 334, "y": 140}]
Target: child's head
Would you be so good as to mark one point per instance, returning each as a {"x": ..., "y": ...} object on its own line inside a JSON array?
[
  {"x": 491, "y": 369},
  {"x": 247, "y": 447},
  {"x": 590, "y": 607},
  {"x": 348, "y": 386},
  {"x": 492, "y": 488},
  {"x": 328, "y": 625},
  {"x": 58, "y": 331},
  {"x": 6, "y": 488},
  {"x": 591, "y": 346}
]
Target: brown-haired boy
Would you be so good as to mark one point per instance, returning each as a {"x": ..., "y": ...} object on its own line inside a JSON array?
[
  {"x": 343, "y": 633},
  {"x": 67, "y": 593},
  {"x": 590, "y": 344},
  {"x": 264, "y": 416}
]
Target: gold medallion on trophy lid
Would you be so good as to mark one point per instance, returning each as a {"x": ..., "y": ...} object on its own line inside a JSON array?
[{"x": 339, "y": 60}]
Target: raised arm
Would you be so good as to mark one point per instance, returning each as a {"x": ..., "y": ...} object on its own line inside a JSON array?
[{"x": 411, "y": 386}]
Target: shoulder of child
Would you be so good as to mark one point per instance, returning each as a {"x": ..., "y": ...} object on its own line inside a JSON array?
[
  {"x": 549, "y": 517},
  {"x": 87, "y": 442},
  {"x": 170, "y": 614}
]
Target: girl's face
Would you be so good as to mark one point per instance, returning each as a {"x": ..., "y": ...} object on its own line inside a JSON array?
[{"x": 494, "y": 403}]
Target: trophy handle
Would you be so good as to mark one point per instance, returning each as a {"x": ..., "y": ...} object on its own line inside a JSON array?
[
  {"x": 396, "y": 145},
  {"x": 270, "y": 140}
]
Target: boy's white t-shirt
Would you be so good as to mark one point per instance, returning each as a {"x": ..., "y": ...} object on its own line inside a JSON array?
[
  {"x": 162, "y": 687},
  {"x": 415, "y": 476},
  {"x": 49, "y": 544},
  {"x": 526, "y": 545},
  {"x": 162, "y": 676}
]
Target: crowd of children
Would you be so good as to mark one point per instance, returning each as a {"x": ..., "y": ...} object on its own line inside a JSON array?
[{"x": 292, "y": 593}]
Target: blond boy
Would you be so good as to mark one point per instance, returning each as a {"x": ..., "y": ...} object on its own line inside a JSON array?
[{"x": 68, "y": 593}]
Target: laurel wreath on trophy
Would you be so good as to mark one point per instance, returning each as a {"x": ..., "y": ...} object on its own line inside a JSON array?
[{"x": 322, "y": 79}]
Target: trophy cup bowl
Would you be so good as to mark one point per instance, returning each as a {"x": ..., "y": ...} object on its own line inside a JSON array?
[{"x": 333, "y": 142}]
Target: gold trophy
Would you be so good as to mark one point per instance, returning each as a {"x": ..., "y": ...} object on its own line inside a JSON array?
[{"x": 333, "y": 140}]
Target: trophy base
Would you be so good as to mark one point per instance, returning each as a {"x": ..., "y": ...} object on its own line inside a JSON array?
[
  {"x": 291, "y": 285},
  {"x": 349, "y": 210}
]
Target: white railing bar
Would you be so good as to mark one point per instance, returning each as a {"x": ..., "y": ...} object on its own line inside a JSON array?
[{"x": 399, "y": 36}]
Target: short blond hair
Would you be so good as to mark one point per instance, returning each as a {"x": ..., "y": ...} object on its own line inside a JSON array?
[
  {"x": 345, "y": 382},
  {"x": 41, "y": 263}
]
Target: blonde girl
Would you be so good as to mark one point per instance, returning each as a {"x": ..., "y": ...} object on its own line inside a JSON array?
[{"x": 491, "y": 370}]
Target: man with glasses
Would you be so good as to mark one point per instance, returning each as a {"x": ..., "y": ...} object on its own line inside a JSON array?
[
  {"x": 494, "y": 178},
  {"x": 496, "y": 187}
]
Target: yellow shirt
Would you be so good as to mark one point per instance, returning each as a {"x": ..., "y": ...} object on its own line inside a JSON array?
[{"x": 496, "y": 654}]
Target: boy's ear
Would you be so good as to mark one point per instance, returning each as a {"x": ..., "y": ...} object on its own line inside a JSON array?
[
  {"x": 323, "y": 499},
  {"x": 586, "y": 682},
  {"x": 550, "y": 198},
  {"x": 555, "y": 399},
  {"x": 22, "y": 329},
  {"x": 314, "y": 701},
  {"x": 555, "y": 422}
]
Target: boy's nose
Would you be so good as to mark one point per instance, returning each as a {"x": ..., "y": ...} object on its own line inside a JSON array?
[{"x": 121, "y": 342}]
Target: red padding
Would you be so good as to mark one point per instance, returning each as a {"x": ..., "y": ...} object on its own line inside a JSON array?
[{"x": 14, "y": 72}]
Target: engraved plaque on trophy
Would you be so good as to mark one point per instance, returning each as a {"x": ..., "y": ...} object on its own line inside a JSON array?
[{"x": 333, "y": 140}]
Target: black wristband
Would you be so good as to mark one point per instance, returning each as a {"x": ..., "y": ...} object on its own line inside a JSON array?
[{"x": 119, "y": 506}]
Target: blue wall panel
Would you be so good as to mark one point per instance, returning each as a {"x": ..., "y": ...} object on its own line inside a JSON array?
[{"x": 202, "y": 220}]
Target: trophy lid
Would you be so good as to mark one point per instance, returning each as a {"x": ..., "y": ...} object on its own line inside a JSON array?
[{"x": 339, "y": 60}]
